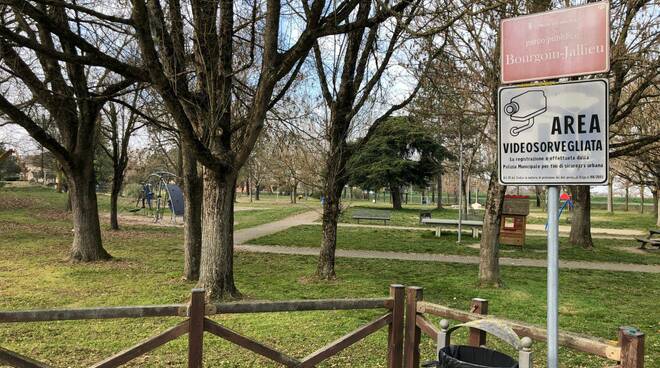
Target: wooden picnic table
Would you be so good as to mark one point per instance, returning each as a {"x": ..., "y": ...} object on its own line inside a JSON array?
[{"x": 650, "y": 240}]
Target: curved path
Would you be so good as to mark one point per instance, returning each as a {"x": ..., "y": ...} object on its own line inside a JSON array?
[
  {"x": 241, "y": 237},
  {"x": 244, "y": 235}
]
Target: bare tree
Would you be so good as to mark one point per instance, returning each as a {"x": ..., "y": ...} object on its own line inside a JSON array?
[
  {"x": 163, "y": 128},
  {"x": 200, "y": 56},
  {"x": 635, "y": 67},
  {"x": 118, "y": 124},
  {"x": 70, "y": 94},
  {"x": 474, "y": 45},
  {"x": 348, "y": 84}
]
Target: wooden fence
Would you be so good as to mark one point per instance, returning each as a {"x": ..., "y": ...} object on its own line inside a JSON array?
[
  {"x": 628, "y": 351},
  {"x": 404, "y": 318},
  {"x": 196, "y": 324}
]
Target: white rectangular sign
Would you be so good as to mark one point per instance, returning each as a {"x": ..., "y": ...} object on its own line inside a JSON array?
[{"x": 553, "y": 134}]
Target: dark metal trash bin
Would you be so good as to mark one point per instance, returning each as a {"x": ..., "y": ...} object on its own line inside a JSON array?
[{"x": 463, "y": 356}]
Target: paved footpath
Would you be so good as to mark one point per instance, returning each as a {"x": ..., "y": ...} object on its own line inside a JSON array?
[
  {"x": 241, "y": 237},
  {"x": 244, "y": 235},
  {"x": 532, "y": 229}
]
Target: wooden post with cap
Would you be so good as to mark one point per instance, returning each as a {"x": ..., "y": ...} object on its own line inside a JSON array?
[
  {"x": 413, "y": 333},
  {"x": 631, "y": 341},
  {"x": 477, "y": 337},
  {"x": 196, "y": 328},
  {"x": 395, "y": 343}
]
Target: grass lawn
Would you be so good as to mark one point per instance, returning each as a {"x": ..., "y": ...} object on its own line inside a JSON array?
[
  {"x": 148, "y": 264},
  {"x": 23, "y": 202},
  {"x": 416, "y": 241},
  {"x": 603, "y": 219},
  {"x": 409, "y": 216}
]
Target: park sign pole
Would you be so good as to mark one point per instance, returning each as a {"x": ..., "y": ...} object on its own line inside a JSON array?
[
  {"x": 553, "y": 276},
  {"x": 554, "y": 133}
]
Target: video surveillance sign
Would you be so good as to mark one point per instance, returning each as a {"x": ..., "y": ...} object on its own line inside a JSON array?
[{"x": 554, "y": 134}]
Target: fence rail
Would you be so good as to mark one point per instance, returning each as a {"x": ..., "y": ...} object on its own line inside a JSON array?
[
  {"x": 405, "y": 318},
  {"x": 196, "y": 324},
  {"x": 628, "y": 351}
]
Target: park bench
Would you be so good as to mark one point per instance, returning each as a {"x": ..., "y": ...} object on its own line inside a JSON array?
[
  {"x": 450, "y": 224},
  {"x": 650, "y": 240},
  {"x": 377, "y": 215}
]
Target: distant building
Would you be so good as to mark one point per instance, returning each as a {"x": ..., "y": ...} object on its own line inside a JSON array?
[{"x": 33, "y": 171}]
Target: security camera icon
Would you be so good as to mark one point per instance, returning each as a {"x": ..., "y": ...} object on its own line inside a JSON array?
[{"x": 524, "y": 108}]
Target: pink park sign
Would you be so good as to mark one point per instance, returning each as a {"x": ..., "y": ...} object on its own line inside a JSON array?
[{"x": 556, "y": 44}]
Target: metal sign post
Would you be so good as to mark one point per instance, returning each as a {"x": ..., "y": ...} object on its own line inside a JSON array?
[
  {"x": 554, "y": 134},
  {"x": 553, "y": 275}
]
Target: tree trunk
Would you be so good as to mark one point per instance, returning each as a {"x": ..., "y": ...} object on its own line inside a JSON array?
[
  {"x": 334, "y": 182},
  {"x": 439, "y": 184},
  {"x": 433, "y": 190},
  {"x": 610, "y": 195},
  {"x": 58, "y": 181},
  {"x": 489, "y": 261},
  {"x": 396, "y": 197},
  {"x": 294, "y": 192},
  {"x": 581, "y": 217},
  {"x": 325, "y": 269},
  {"x": 537, "y": 190},
  {"x": 656, "y": 194},
  {"x": 627, "y": 197},
  {"x": 641, "y": 199},
  {"x": 656, "y": 198},
  {"x": 67, "y": 206},
  {"x": 192, "y": 216},
  {"x": 217, "y": 261},
  {"x": 465, "y": 199},
  {"x": 43, "y": 168},
  {"x": 114, "y": 197},
  {"x": 257, "y": 191},
  {"x": 657, "y": 207},
  {"x": 87, "y": 245}
]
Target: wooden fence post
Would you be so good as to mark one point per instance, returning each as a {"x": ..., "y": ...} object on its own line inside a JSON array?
[
  {"x": 395, "y": 343},
  {"x": 631, "y": 341},
  {"x": 477, "y": 337},
  {"x": 413, "y": 333},
  {"x": 196, "y": 329}
]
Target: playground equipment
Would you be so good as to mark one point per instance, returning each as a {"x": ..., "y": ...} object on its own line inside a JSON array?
[{"x": 159, "y": 191}]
